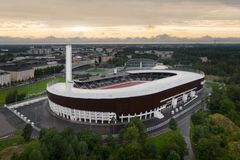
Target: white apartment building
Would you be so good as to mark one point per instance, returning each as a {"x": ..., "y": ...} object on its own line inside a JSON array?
[{"x": 5, "y": 78}]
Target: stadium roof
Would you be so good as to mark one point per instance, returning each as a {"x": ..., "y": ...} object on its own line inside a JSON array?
[{"x": 181, "y": 77}]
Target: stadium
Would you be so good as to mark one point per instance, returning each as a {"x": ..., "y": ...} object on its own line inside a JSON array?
[{"x": 117, "y": 98}]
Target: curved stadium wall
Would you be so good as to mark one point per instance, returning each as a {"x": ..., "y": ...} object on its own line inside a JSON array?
[{"x": 144, "y": 100}]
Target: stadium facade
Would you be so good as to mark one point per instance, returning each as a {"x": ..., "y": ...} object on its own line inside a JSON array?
[{"x": 118, "y": 98}]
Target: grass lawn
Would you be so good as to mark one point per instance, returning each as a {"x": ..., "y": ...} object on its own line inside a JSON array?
[
  {"x": 95, "y": 71},
  {"x": 12, "y": 141},
  {"x": 7, "y": 152},
  {"x": 29, "y": 89},
  {"x": 212, "y": 84},
  {"x": 163, "y": 139},
  {"x": 212, "y": 78}
]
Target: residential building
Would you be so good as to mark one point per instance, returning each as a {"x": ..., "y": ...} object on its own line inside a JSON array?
[
  {"x": 5, "y": 78},
  {"x": 19, "y": 73},
  {"x": 204, "y": 59}
]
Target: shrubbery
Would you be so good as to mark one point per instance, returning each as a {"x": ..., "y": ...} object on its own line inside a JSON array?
[
  {"x": 14, "y": 97},
  {"x": 48, "y": 71},
  {"x": 212, "y": 138},
  {"x": 131, "y": 144}
]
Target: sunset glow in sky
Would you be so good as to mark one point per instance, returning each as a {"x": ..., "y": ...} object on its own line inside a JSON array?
[{"x": 119, "y": 19}]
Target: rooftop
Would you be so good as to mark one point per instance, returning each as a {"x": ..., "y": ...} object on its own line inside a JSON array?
[
  {"x": 151, "y": 87},
  {"x": 15, "y": 68},
  {"x": 2, "y": 72}
]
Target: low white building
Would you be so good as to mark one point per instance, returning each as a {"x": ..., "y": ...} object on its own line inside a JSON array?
[
  {"x": 19, "y": 73},
  {"x": 164, "y": 54},
  {"x": 160, "y": 66},
  {"x": 49, "y": 64},
  {"x": 5, "y": 78},
  {"x": 99, "y": 49}
]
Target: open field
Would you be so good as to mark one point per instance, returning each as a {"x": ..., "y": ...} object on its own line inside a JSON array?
[
  {"x": 29, "y": 89},
  {"x": 163, "y": 139},
  {"x": 212, "y": 78},
  {"x": 212, "y": 84}
]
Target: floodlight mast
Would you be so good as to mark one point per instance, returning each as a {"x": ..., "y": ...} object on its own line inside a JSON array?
[{"x": 68, "y": 63}]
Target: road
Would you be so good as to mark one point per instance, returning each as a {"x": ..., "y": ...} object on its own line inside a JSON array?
[
  {"x": 183, "y": 122},
  {"x": 184, "y": 125}
]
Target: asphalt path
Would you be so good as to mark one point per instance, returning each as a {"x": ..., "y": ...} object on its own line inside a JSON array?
[
  {"x": 183, "y": 122},
  {"x": 9, "y": 123}
]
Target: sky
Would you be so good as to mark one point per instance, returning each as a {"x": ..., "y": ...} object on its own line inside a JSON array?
[{"x": 119, "y": 18}]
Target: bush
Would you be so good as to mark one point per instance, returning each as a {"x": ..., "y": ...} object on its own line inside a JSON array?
[
  {"x": 173, "y": 155},
  {"x": 14, "y": 97},
  {"x": 27, "y": 132},
  {"x": 198, "y": 118},
  {"x": 172, "y": 124}
]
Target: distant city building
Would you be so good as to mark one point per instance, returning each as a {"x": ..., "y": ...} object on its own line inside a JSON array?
[
  {"x": 164, "y": 54},
  {"x": 4, "y": 50},
  {"x": 129, "y": 56},
  {"x": 105, "y": 58},
  {"x": 137, "y": 52},
  {"x": 39, "y": 51},
  {"x": 109, "y": 50},
  {"x": 20, "y": 58},
  {"x": 160, "y": 66},
  {"x": 161, "y": 54},
  {"x": 204, "y": 59},
  {"x": 148, "y": 52},
  {"x": 5, "y": 78},
  {"x": 99, "y": 49},
  {"x": 77, "y": 59},
  {"x": 77, "y": 50},
  {"x": 89, "y": 49},
  {"x": 43, "y": 66},
  {"x": 140, "y": 63},
  {"x": 19, "y": 73}
]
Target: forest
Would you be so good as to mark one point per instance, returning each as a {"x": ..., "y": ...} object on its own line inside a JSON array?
[{"x": 132, "y": 143}]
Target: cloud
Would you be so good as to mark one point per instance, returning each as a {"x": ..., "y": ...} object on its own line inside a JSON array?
[
  {"x": 69, "y": 18},
  {"x": 125, "y": 12},
  {"x": 163, "y": 38},
  {"x": 151, "y": 27}
]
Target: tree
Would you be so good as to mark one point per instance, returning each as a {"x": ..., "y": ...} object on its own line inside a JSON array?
[
  {"x": 27, "y": 132},
  {"x": 133, "y": 150},
  {"x": 137, "y": 124},
  {"x": 99, "y": 59},
  {"x": 131, "y": 135},
  {"x": 14, "y": 156},
  {"x": 208, "y": 149},
  {"x": 14, "y": 97},
  {"x": 69, "y": 153},
  {"x": 198, "y": 118},
  {"x": 82, "y": 149},
  {"x": 35, "y": 155},
  {"x": 200, "y": 131},
  {"x": 172, "y": 124},
  {"x": 111, "y": 141},
  {"x": 173, "y": 155},
  {"x": 150, "y": 151},
  {"x": 176, "y": 144}
]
